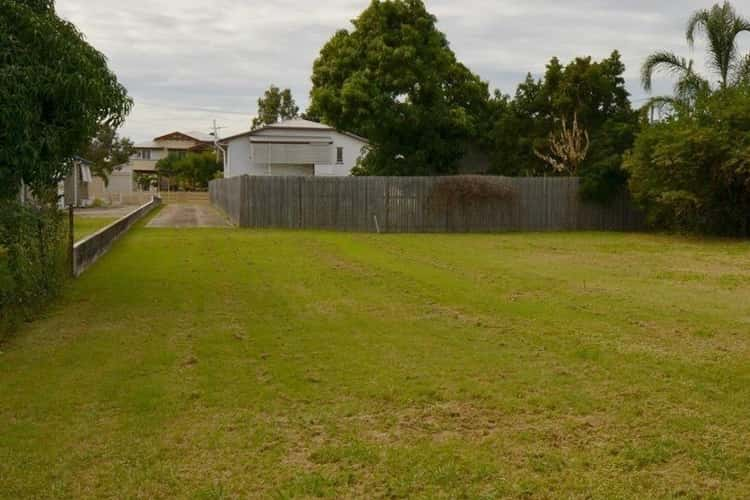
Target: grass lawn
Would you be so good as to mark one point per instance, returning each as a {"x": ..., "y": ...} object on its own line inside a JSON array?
[
  {"x": 235, "y": 363},
  {"x": 86, "y": 226}
]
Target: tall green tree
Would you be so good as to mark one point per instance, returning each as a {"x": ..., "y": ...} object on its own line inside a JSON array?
[
  {"x": 167, "y": 168},
  {"x": 394, "y": 80},
  {"x": 274, "y": 106},
  {"x": 591, "y": 92},
  {"x": 55, "y": 90},
  {"x": 201, "y": 168},
  {"x": 108, "y": 150},
  {"x": 190, "y": 172},
  {"x": 721, "y": 26}
]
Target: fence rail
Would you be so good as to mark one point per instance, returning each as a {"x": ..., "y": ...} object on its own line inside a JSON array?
[
  {"x": 89, "y": 250},
  {"x": 407, "y": 204}
]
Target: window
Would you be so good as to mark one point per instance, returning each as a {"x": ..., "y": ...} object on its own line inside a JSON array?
[
  {"x": 339, "y": 155},
  {"x": 144, "y": 154}
]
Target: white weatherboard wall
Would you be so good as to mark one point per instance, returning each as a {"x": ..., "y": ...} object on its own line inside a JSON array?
[{"x": 256, "y": 158}]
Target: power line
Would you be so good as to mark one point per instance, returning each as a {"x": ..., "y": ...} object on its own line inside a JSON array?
[{"x": 189, "y": 108}]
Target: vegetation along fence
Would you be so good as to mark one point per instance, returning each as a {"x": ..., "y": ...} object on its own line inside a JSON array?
[
  {"x": 88, "y": 251},
  {"x": 419, "y": 204}
]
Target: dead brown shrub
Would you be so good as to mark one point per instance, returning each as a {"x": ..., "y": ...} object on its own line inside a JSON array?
[{"x": 462, "y": 190}]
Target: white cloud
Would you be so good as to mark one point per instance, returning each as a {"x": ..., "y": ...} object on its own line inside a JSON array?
[{"x": 188, "y": 62}]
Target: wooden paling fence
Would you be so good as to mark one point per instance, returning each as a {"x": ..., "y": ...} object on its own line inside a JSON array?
[{"x": 409, "y": 204}]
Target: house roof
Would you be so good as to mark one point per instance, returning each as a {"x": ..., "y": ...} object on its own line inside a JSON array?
[
  {"x": 295, "y": 124},
  {"x": 299, "y": 123},
  {"x": 195, "y": 136},
  {"x": 198, "y": 137}
]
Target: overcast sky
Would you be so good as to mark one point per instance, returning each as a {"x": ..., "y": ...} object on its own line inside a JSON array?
[{"x": 188, "y": 62}]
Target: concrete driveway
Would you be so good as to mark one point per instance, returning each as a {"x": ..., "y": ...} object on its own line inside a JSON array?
[{"x": 179, "y": 215}]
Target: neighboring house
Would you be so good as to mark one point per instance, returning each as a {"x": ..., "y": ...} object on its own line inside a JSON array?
[
  {"x": 80, "y": 187},
  {"x": 292, "y": 147},
  {"x": 123, "y": 179}
]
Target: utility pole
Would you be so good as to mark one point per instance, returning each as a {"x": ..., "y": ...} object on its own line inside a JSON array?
[
  {"x": 217, "y": 145},
  {"x": 215, "y": 134},
  {"x": 75, "y": 182},
  {"x": 72, "y": 240}
]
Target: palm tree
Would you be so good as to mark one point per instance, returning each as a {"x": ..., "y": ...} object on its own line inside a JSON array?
[
  {"x": 689, "y": 83},
  {"x": 721, "y": 26}
]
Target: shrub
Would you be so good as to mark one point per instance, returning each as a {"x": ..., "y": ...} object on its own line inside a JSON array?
[
  {"x": 192, "y": 172},
  {"x": 692, "y": 172},
  {"x": 33, "y": 260}
]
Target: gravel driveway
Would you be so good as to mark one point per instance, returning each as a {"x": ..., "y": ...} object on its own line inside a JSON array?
[{"x": 188, "y": 216}]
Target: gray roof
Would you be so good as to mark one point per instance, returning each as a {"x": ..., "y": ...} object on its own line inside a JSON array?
[
  {"x": 198, "y": 136},
  {"x": 295, "y": 124},
  {"x": 201, "y": 136},
  {"x": 299, "y": 123}
]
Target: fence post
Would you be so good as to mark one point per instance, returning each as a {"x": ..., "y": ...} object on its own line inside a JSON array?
[
  {"x": 301, "y": 214},
  {"x": 244, "y": 215},
  {"x": 72, "y": 240},
  {"x": 387, "y": 204}
]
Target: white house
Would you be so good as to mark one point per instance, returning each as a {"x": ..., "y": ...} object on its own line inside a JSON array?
[{"x": 292, "y": 147}]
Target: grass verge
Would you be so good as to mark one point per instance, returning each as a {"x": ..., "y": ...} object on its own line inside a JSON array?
[{"x": 86, "y": 226}]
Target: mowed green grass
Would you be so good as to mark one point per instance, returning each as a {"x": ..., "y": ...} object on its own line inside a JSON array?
[
  {"x": 235, "y": 363},
  {"x": 86, "y": 226}
]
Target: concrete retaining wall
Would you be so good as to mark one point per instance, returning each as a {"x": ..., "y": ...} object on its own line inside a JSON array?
[{"x": 88, "y": 251}]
